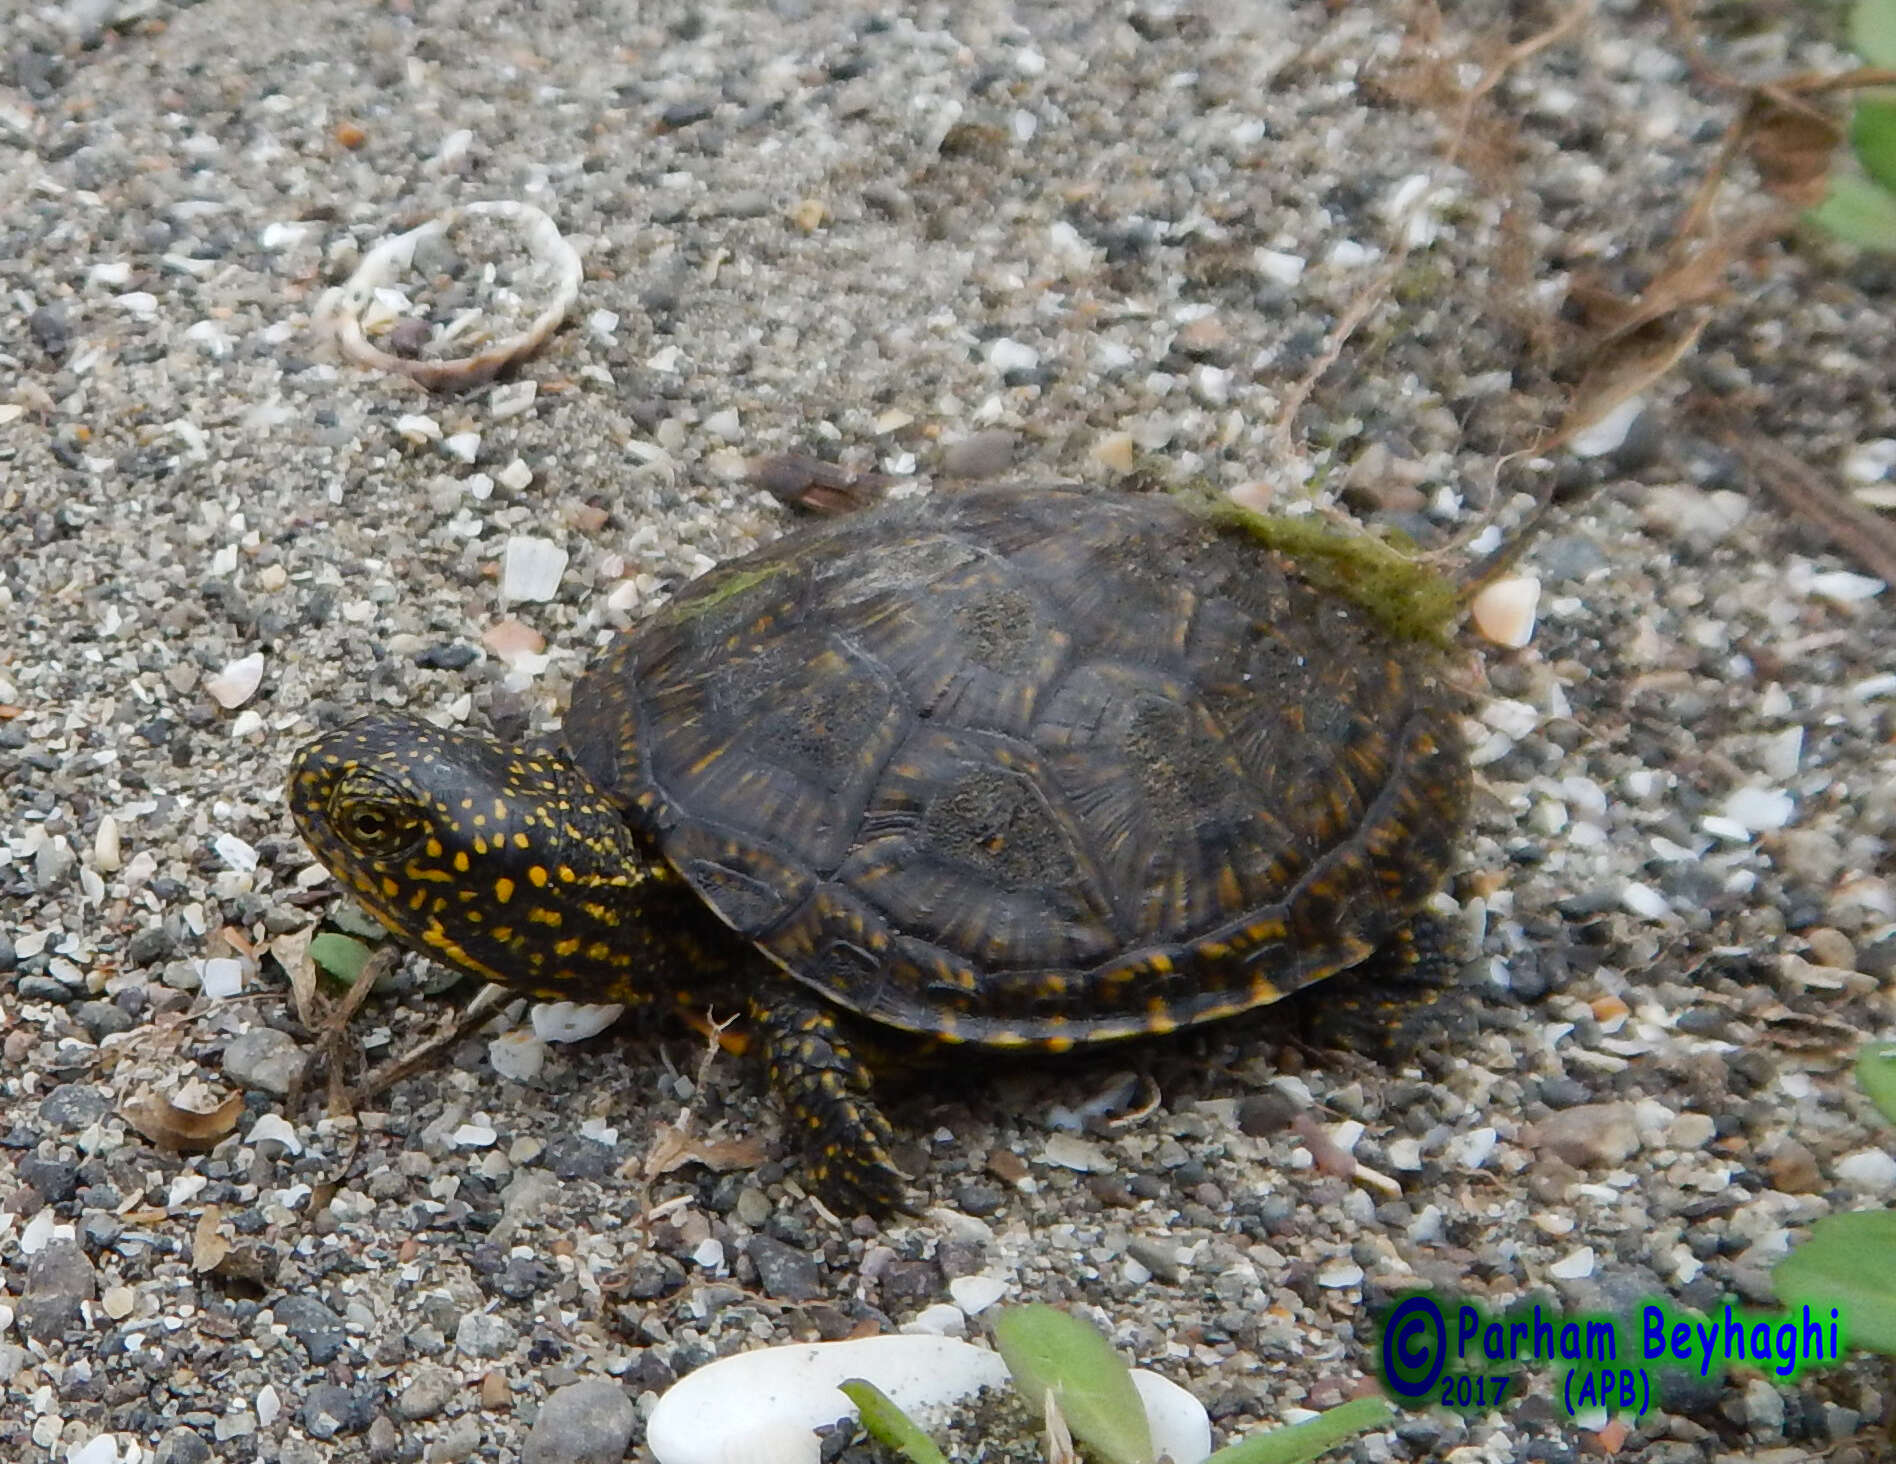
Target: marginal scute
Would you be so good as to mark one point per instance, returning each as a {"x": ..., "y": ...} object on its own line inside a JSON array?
[{"x": 1032, "y": 766}]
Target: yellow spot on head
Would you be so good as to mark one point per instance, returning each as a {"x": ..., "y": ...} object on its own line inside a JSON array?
[
  {"x": 390, "y": 887},
  {"x": 460, "y": 860},
  {"x": 521, "y": 840},
  {"x": 503, "y": 889},
  {"x": 537, "y": 875},
  {"x": 433, "y": 846}
]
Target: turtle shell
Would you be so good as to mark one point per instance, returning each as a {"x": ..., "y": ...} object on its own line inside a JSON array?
[{"x": 1034, "y": 766}]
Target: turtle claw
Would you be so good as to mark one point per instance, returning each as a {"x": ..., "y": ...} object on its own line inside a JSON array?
[{"x": 824, "y": 1088}]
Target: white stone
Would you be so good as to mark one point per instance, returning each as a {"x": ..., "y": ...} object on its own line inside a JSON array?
[
  {"x": 939, "y": 1320},
  {"x": 1278, "y": 267},
  {"x": 1339, "y": 1275},
  {"x": 273, "y": 1128},
  {"x": 107, "y": 853},
  {"x": 237, "y": 682},
  {"x": 723, "y": 424},
  {"x": 1870, "y": 1170},
  {"x": 1644, "y": 901},
  {"x": 1005, "y": 354},
  {"x": 1576, "y": 1265},
  {"x": 235, "y": 852},
  {"x": 530, "y": 568},
  {"x": 975, "y": 1294},
  {"x": 519, "y": 1055},
  {"x": 1505, "y": 611},
  {"x": 1870, "y": 462},
  {"x": 515, "y": 476},
  {"x": 465, "y": 446},
  {"x": 513, "y": 399},
  {"x": 572, "y": 1021},
  {"x": 222, "y": 976},
  {"x": 1842, "y": 587},
  {"x": 1073, "y": 1153},
  {"x": 1759, "y": 810},
  {"x": 474, "y": 1136},
  {"x": 417, "y": 428}
]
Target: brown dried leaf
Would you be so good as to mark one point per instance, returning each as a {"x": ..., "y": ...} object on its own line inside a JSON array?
[
  {"x": 208, "y": 1247},
  {"x": 1791, "y": 146},
  {"x": 1625, "y": 368},
  {"x": 162, "y": 1121},
  {"x": 292, "y": 954},
  {"x": 810, "y": 483},
  {"x": 673, "y": 1148}
]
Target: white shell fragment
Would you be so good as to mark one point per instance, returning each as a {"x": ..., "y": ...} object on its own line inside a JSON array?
[
  {"x": 341, "y": 312},
  {"x": 1181, "y": 1429},
  {"x": 571, "y": 1021},
  {"x": 760, "y": 1407},
  {"x": 237, "y": 682},
  {"x": 975, "y": 1294},
  {"x": 530, "y": 569},
  {"x": 714, "y": 1412},
  {"x": 1505, "y": 611}
]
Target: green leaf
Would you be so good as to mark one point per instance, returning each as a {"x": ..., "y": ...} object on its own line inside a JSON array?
[
  {"x": 1044, "y": 1349},
  {"x": 340, "y": 957},
  {"x": 1873, "y": 139},
  {"x": 1306, "y": 1440},
  {"x": 1876, "y": 1072},
  {"x": 1873, "y": 31},
  {"x": 1849, "y": 1262},
  {"x": 1858, "y": 212},
  {"x": 888, "y": 1425}
]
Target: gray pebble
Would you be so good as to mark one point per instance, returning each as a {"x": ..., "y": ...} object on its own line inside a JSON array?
[
  {"x": 266, "y": 1060},
  {"x": 1592, "y": 1135},
  {"x": 59, "y": 1281},
  {"x": 318, "y": 1328},
  {"x": 429, "y": 1391},
  {"x": 74, "y": 1106},
  {"x": 589, "y": 1422},
  {"x": 1156, "y": 1256},
  {"x": 331, "y": 1410},
  {"x": 182, "y": 1446},
  {"x": 459, "y": 1440},
  {"x": 151, "y": 945},
  {"x": 1764, "y": 1408},
  {"x": 44, "y": 988},
  {"x": 785, "y": 1272},
  {"x": 482, "y": 1334},
  {"x": 56, "y": 1180}
]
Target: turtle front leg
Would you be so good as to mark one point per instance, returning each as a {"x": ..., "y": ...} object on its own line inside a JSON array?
[{"x": 824, "y": 1088}]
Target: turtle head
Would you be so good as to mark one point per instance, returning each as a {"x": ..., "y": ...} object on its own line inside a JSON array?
[{"x": 506, "y": 862}]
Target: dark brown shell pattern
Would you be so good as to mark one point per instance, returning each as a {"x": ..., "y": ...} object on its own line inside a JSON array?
[{"x": 1034, "y": 766}]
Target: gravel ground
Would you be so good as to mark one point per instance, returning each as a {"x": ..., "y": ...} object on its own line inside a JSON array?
[{"x": 1029, "y": 241}]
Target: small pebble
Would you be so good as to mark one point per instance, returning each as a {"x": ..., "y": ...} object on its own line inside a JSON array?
[
  {"x": 531, "y": 569},
  {"x": 237, "y": 682}
]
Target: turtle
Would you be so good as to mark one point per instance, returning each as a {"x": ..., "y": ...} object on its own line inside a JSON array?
[{"x": 1029, "y": 767}]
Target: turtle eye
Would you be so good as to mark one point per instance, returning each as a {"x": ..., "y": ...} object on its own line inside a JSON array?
[{"x": 372, "y": 818}]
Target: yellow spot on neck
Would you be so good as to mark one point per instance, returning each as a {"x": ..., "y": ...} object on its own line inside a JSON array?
[
  {"x": 503, "y": 889},
  {"x": 537, "y": 874}
]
